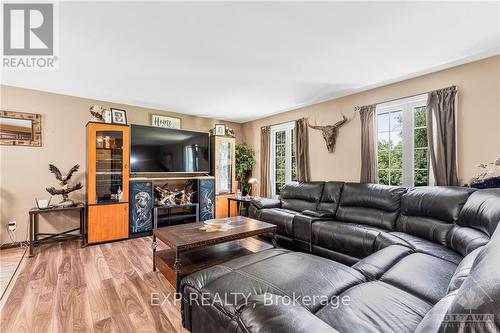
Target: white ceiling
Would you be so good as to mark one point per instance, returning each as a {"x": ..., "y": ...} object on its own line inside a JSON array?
[{"x": 240, "y": 61}]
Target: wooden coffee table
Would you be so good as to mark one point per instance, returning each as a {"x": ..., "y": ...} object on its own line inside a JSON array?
[{"x": 192, "y": 249}]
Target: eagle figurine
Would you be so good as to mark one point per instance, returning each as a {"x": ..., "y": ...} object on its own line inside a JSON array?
[{"x": 65, "y": 189}]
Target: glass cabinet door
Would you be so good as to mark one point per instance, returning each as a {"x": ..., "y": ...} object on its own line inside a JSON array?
[
  {"x": 224, "y": 170},
  {"x": 109, "y": 166}
]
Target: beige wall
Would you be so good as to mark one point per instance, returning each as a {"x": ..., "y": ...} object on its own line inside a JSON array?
[
  {"x": 24, "y": 172},
  {"x": 478, "y": 120}
]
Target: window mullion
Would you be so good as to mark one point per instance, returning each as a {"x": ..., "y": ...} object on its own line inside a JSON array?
[
  {"x": 272, "y": 176},
  {"x": 408, "y": 145},
  {"x": 288, "y": 155}
]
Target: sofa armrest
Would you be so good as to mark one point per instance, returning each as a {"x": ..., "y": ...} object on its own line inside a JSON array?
[
  {"x": 263, "y": 203},
  {"x": 274, "y": 314},
  {"x": 302, "y": 226},
  {"x": 318, "y": 213}
]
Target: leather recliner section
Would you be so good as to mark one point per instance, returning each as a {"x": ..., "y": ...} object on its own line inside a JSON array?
[
  {"x": 354, "y": 240},
  {"x": 408, "y": 272},
  {"x": 476, "y": 222},
  {"x": 300, "y": 196},
  {"x": 371, "y": 204},
  {"x": 430, "y": 212}
]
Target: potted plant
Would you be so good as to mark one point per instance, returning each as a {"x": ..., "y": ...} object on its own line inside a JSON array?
[{"x": 244, "y": 162}]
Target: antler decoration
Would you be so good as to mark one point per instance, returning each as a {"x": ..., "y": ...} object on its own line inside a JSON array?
[{"x": 331, "y": 132}]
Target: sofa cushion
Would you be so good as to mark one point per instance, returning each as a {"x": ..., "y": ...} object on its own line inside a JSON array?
[
  {"x": 463, "y": 270},
  {"x": 421, "y": 245},
  {"x": 412, "y": 274},
  {"x": 330, "y": 197},
  {"x": 480, "y": 291},
  {"x": 262, "y": 203},
  {"x": 319, "y": 214},
  {"x": 334, "y": 255},
  {"x": 433, "y": 320},
  {"x": 429, "y": 212},
  {"x": 279, "y": 272},
  {"x": 375, "y": 265},
  {"x": 401, "y": 311},
  {"x": 481, "y": 211},
  {"x": 355, "y": 240},
  {"x": 371, "y": 204},
  {"x": 299, "y": 196},
  {"x": 279, "y": 314},
  {"x": 465, "y": 240},
  {"x": 282, "y": 218},
  {"x": 477, "y": 294}
]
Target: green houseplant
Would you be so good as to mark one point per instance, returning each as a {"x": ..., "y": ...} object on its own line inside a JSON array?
[{"x": 244, "y": 162}]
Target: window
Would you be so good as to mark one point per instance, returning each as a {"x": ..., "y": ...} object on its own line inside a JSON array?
[
  {"x": 189, "y": 158},
  {"x": 402, "y": 149},
  {"x": 283, "y": 156}
]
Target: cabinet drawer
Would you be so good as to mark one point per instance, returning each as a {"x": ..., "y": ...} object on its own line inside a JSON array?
[{"x": 107, "y": 222}]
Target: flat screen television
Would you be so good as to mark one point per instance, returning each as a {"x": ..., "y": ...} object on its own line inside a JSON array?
[{"x": 156, "y": 149}]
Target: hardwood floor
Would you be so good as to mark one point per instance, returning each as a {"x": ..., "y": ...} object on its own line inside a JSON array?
[
  {"x": 101, "y": 288},
  {"x": 9, "y": 262}
]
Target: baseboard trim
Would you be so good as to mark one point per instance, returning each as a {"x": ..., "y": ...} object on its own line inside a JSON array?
[{"x": 14, "y": 244}]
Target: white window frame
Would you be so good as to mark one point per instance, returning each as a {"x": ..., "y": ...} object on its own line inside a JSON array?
[
  {"x": 406, "y": 105},
  {"x": 287, "y": 127}
]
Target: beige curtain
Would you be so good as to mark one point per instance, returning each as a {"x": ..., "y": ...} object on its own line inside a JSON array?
[
  {"x": 368, "y": 148},
  {"x": 265, "y": 167},
  {"x": 441, "y": 135},
  {"x": 302, "y": 147}
]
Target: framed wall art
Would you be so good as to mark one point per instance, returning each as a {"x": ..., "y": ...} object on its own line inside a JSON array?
[{"x": 20, "y": 129}]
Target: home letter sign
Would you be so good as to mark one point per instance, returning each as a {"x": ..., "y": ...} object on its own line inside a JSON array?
[{"x": 167, "y": 122}]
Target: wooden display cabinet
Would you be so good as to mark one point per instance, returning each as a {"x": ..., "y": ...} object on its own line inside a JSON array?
[
  {"x": 107, "y": 182},
  {"x": 223, "y": 162},
  {"x": 221, "y": 206}
]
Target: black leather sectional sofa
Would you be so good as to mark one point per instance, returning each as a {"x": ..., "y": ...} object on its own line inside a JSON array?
[{"x": 360, "y": 258}]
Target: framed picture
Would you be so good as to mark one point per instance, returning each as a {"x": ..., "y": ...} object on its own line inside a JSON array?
[
  {"x": 165, "y": 122},
  {"x": 20, "y": 129},
  {"x": 220, "y": 129},
  {"x": 118, "y": 116},
  {"x": 106, "y": 116}
]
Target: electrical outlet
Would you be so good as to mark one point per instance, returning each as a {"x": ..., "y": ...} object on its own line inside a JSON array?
[{"x": 12, "y": 225}]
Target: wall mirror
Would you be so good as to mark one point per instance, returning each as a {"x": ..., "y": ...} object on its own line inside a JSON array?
[{"x": 20, "y": 129}]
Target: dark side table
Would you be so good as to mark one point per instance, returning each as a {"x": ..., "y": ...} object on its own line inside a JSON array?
[
  {"x": 35, "y": 235},
  {"x": 239, "y": 202}
]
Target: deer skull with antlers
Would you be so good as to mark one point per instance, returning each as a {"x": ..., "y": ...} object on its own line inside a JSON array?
[{"x": 330, "y": 132}]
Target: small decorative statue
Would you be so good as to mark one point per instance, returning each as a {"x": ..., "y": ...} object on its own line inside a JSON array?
[
  {"x": 331, "y": 132},
  {"x": 175, "y": 197},
  {"x": 65, "y": 189},
  {"x": 96, "y": 112},
  {"x": 489, "y": 175},
  {"x": 230, "y": 133},
  {"x": 184, "y": 197},
  {"x": 166, "y": 197}
]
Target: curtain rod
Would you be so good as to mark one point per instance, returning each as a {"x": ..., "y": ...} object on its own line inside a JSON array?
[
  {"x": 395, "y": 99},
  {"x": 357, "y": 108},
  {"x": 284, "y": 122}
]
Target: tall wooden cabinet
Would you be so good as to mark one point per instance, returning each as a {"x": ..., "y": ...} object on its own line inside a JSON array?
[
  {"x": 223, "y": 161},
  {"x": 107, "y": 182}
]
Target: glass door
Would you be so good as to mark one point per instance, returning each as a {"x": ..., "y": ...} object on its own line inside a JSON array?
[
  {"x": 225, "y": 167},
  {"x": 109, "y": 166}
]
